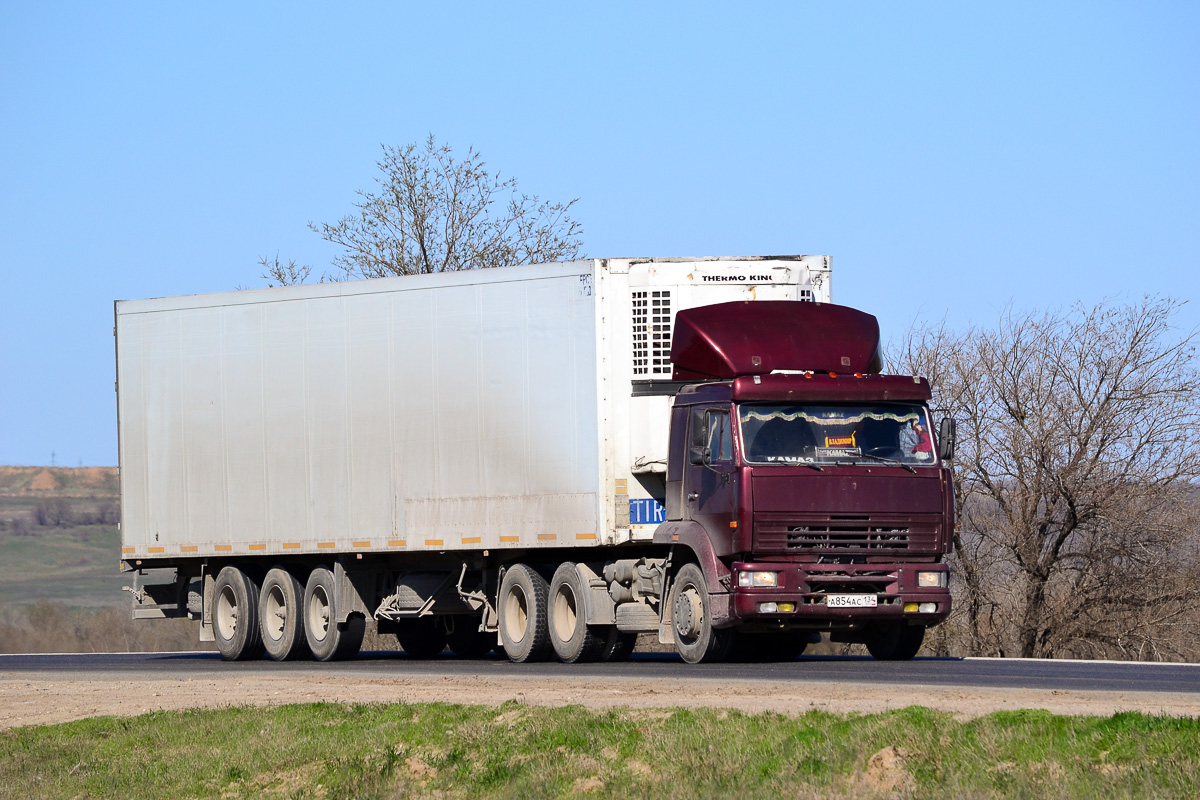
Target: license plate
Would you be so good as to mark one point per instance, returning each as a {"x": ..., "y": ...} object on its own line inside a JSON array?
[{"x": 851, "y": 601}]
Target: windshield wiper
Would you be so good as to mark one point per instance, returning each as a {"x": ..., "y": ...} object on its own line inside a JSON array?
[{"x": 891, "y": 461}]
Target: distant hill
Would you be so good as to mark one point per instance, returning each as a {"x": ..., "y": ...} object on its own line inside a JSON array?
[{"x": 59, "y": 482}]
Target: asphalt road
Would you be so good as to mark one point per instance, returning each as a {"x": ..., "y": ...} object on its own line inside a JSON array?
[{"x": 939, "y": 672}]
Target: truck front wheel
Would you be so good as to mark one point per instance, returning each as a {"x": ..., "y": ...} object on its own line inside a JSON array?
[
  {"x": 328, "y": 640},
  {"x": 523, "y": 601},
  {"x": 235, "y": 616},
  {"x": 691, "y": 619},
  {"x": 760, "y": 647},
  {"x": 895, "y": 641},
  {"x": 279, "y": 617}
]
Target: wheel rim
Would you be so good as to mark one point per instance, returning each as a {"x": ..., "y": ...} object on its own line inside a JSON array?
[
  {"x": 565, "y": 614},
  {"x": 688, "y": 613},
  {"x": 274, "y": 614},
  {"x": 227, "y": 613},
  {"x": 516, "y": 614},
  {"x": 317, "y": 618}
]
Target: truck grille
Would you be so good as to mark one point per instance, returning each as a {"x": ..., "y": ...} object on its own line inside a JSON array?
[
  {"x": 874, "y": 534},
  {"x": 834, "y": 580}
]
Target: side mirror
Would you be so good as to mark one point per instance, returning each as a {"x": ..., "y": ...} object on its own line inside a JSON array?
[
  {"x": 699, "y": 455},
  {"x": 946, "y": 433}
]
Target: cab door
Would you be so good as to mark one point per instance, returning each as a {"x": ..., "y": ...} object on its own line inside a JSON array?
[{"x": 709, "y": 488}]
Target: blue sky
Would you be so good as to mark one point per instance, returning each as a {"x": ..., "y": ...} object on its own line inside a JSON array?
[{"x": 952, "y": 158}]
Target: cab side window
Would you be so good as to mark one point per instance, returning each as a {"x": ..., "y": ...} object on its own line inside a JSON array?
[
  {"x": 720, "y": 436},
  {"x": 699, "y": 428}
]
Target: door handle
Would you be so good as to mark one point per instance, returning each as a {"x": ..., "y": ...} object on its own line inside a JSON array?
[{"x": 692, "y": 495}]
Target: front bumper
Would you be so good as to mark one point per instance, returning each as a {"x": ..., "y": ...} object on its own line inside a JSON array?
[{"x": 803, "y": 589}]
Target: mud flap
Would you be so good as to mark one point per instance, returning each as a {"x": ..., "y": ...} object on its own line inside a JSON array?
[
  {"x": 352, "y": 590},
  {"x": 159, "y": 600}
]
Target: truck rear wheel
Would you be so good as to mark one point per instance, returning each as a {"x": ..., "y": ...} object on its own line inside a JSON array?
[
  {"x": 421, "y": 638},
  {"x": 280, "y": 621},
  {"x": 466, "y": 640},
  {"x": 895, "y": 641},
  {"x": 328, "y": 640},
  {"x": 235, "y": 616},
  {"x": 570, "y": 635},
  {"x": 618, "y": 645},
  {"x": 696, "y": 640},
  {"x": 523, "y": 601}
]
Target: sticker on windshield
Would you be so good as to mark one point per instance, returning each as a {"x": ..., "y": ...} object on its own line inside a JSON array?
[{"x": 838, "y": 452}]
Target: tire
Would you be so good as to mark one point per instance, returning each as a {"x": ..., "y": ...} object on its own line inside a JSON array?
[
  {"x": 327, "y": 640},
  {"x": 280, "y": 622},
  {"x": 696, "y": 640},
  {"x": 570, "y": 635},
  {"x": 421, "y": 638},
  {"x": 466, "y": 640},
  {"x": 768, "y": 647},
  {"x": 523, "y": 611},
  {"x": 235, "y": 616},
  {"x": 618, "y": 645},
  {"x": 895, "y": 641}
]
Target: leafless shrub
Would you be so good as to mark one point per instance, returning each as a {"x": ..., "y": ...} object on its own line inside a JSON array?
[
  {"x": 62, "y": 512},
  {"x": 55, "y": 512},
  {"x": 47, "y": 627},
  {"x": 1079, "y": 445}
]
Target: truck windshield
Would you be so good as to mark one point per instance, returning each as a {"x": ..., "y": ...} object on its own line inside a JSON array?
[{"x": 808, "y": 434}]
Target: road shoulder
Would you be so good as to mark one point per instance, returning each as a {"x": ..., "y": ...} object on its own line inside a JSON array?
[{"x": 36, "y": 698}]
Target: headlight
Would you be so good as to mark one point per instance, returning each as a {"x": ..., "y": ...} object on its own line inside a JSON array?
[
  {"x": 758, "y": 579},
  {"x": 932, "y": 579}
]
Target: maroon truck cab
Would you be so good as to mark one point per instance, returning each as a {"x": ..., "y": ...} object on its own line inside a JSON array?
[{"x": 808, "y": 490}]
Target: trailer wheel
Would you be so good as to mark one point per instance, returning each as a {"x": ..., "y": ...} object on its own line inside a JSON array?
[
  {"x": 421, "y": 638},
  {"x": 466, "y": 640},
  {"x": 570, "y": 635},
  {"x": 523, "y": 629},
  {"x": 618, "y": 645},
  {"x": 695, "y": 638},
  {"x": 235, "y": 616},
  {"x": 328, "y": 640},
  {"x": 895, "y": 641},
  {"x": 280, "y": 621}
]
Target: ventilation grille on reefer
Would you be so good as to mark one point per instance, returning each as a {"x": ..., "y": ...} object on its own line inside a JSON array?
[{"x": 652, "y": 334}]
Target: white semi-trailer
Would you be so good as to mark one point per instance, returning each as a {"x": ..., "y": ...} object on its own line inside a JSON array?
[{"x": 487, "y": 457}]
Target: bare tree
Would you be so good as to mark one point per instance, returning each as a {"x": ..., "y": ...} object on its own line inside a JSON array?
[
  {"x": 437, "y": 213},
  {"x": 1079, "y": 444},
  {"x": 278, "y": 273}
]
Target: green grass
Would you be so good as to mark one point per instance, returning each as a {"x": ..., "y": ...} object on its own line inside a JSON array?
[
  {"x": 440, "y": 750},
  {"x": 76, "y": 566}
]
